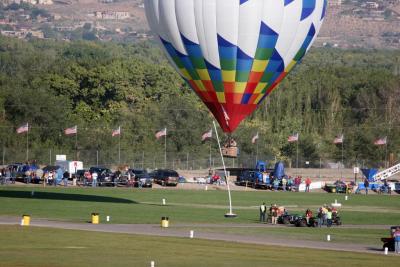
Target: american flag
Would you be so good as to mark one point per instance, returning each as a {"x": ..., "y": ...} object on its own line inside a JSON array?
[
  {"x": 23, "y": 128},
  {"x": 293, "y": 138},
  {"x": 161, "y": 133},
  {"x": 206, "y": 135},
  {"x": 116, "y": 132},
  {"x": 380, "y": 141},
  {"x": 338, "y": 140},
  {"x": 72, "y": 130},
  {"x": 254, "y": 139}
]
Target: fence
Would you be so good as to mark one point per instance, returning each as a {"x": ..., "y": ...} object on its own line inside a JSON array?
[{"x": 175, "y": 160}]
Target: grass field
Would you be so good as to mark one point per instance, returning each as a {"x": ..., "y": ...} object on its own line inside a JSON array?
[
  {"x": 54, "y": 247},
  {"x": 22, "y": 246},
  {"x": 184, "y": 206}
]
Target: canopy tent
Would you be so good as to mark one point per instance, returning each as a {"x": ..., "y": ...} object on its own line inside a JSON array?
[{"x": 369, "y": 174}]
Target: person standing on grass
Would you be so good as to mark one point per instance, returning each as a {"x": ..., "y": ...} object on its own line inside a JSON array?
[
  {"x": 320, "y": 217},
  {"x": 366, "y": 185},
  {"x": 94, "y": 179},
  {"x": 263, "y": 211},
  {"x": 309, "y": 214},
  {"x": 329, "y": 217},
  {"x": 396, "y": 236},
  {"x": 274, "y": 214},
  {"x": 308, "y": 183},
  {"x": 65, "y": 178},
  {"x": 284, "y": 183}
]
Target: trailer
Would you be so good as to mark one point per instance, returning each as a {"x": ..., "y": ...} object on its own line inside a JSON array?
[{"x": 70, "y": 166}]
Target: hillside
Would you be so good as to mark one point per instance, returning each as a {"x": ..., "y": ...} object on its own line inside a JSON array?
[{"x": 353, "y": 24}]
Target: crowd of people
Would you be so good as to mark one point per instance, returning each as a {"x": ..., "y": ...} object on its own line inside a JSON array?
[
  {"x": 325, "y": 215},
  {"x": 273, "y": 214},
  {"x": 285, "y": 183}
]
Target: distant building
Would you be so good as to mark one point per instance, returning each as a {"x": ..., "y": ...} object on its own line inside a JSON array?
[
  {"x": 111, "y": 15},
  {"x": 32, "y": 2},
  {"x": 372, "y": 5},
  {"x": 23, "y": 33}
]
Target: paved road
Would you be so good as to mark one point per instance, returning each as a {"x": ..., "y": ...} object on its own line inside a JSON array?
[{"x": 181, "y": 231}]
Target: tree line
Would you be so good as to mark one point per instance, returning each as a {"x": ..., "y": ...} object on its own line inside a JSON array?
[{"x": 100, "y": 86}]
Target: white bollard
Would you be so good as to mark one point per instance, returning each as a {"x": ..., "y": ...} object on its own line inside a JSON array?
[
  {"x": 152, "y": 264},
  {"x": 328, "y": 238},
  {"x": 206, "y": 188},
  {"x": 22, "y": 222},
  {"x": 108, "y": 218},
  {"x": 191, "y": 233},
  {"x": 346, "y": 197},
  {"x": 386, "y": 250},
  {"x": 163, "y": 201},
  {"x": 32, "y": 193}
]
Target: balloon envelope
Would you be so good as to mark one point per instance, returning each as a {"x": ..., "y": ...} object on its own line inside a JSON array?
[{"x": 233, "y": 53}]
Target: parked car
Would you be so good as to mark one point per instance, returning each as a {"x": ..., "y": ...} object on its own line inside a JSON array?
[
  {"x": 142, "y": 178},
  {"x": 105, "y": 176},
  {"x": 23, "y": 171},
  {"x": 165, "y": 177}
]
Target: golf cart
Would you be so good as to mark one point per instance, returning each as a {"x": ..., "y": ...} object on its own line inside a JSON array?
[
  {"x": 301, "y": 221},
  {"x": 288, "y": 218}
]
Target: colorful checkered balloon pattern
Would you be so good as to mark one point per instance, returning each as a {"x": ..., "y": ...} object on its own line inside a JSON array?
[{"x": 233, "y": 53}]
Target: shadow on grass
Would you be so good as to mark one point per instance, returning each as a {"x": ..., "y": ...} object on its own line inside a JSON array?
[{"x": 63, "y": 196}]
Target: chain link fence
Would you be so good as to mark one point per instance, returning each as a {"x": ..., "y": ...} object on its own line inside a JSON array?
[{"x": 112, "y": 158}]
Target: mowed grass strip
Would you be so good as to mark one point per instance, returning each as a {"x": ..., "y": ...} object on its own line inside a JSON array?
[
  {"x": 338, "y": 235},
  {"x": 31, "y": 246},
  {"x": 183, "y": 206}
]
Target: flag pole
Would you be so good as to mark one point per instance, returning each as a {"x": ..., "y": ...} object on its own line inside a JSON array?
[
  {"x": 210, "y": 156},
  {"x": 230, "y": 214},
  {"x": 386, "y": 159},
  {"x": 27, "y": 145},
  {"x": 256, "y": 151},
  {"x": 297, "y": 154},
  {"x": 119, "y": 147},
  {"x": 341, "y": 169},
  {"x": 165, "y": 149},
  {"x": 76, "y": 144}
]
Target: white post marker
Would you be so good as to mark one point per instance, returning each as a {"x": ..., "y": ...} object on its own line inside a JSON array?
[
  {"x": 163, "y": 201},
  {"x": 328, "y": 238},
  {"x": 108, "y": 218},
  {"x": 346, "y": 197},
  {"x": 386, "y": 250},
  {"x": 206, "y": 188},
  {"x": 152, "y": 264},
  {"x": 22, "y": 222},
  {"x": 32, "y": 193},
  {"x": 191, "y": 233}
]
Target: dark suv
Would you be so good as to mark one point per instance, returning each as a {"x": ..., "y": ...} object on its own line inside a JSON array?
[
  {"x": 165, "y": 177},
  {"x": 141, "y": 178}
]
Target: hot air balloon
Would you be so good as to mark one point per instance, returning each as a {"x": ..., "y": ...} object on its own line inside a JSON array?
[{"x": 233, "y": 53}]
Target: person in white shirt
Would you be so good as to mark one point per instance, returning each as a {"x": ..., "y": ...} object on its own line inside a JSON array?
[{"x": 94, "y": 179}]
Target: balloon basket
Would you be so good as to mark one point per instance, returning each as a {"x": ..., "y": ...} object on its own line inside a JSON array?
[{"x": 230, "y": 152}]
